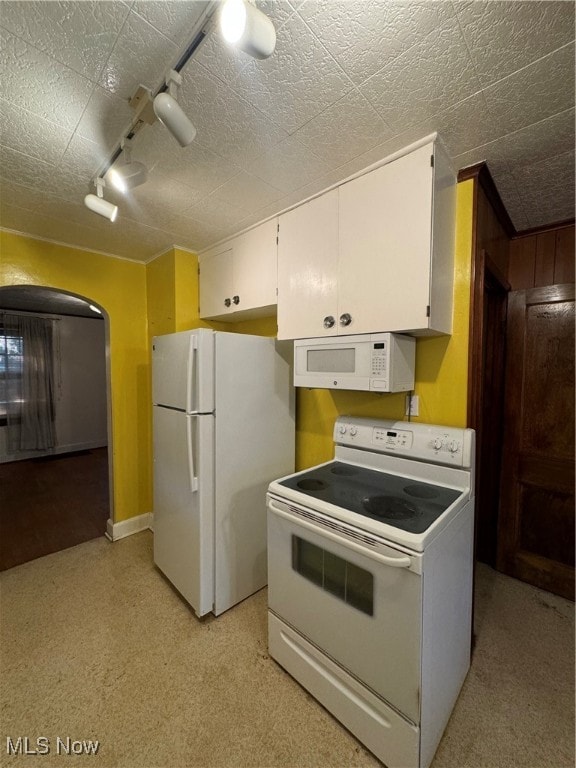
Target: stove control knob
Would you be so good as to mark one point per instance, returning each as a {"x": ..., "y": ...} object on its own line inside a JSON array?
[
  {"x": 454, "y": 446},
  {"x": 437, "y": 443},
  {"x": 353, "y": 431},
  {"x": 342, "y": 429}
]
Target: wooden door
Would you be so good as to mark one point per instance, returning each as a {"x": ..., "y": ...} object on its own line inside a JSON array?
[
  {"x": 487, "y": 381},
  {"x": 536, "y": 529}
]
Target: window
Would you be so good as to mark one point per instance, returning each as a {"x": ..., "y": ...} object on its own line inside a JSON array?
[
  {"x": 11, "y": 359},
  {"x": 344, "y": 580}
]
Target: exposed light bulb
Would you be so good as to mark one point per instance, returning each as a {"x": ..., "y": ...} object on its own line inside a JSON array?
[{"x": 246, "y": 27}]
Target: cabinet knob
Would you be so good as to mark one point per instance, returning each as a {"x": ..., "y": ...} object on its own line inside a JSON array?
[
  {"x": 345, "y": 319},
  {"x": 329, "y": 321},
  {"x": 227, "y": 302},
  {"x": 236, "y": 299}
]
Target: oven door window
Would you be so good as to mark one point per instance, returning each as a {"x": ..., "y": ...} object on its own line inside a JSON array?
[{"x": 350, "y": 583}]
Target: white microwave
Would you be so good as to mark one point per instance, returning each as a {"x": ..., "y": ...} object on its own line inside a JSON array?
[{"x": 376, "y": 362}]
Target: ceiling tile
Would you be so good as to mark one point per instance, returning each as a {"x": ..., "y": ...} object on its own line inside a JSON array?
[
  {"x": 79, "y": 35},
  {"x": 246, "y": 192},
  {"x": 84, "y": 157},
  {"x": 22, "y": 196},
  {"x": 365, "y": 40},
  {"x": 537, "y": 142},
  {"x": 175, "y": 20},
  {"x": 141, "y": 56},
  {"x": 149, "y": 203},
  {"x": 514, "y": 33},
  {"x": 220, "y": 215},
  {"x": 288, "y": 166},
  {"x": 508, "y": 192},
  {"x": 31, "y": 134},
  {"x": 297, "y": 82},
  {"x": 345, "y": 129},
  {"x": 33, "y": 81},
  {"x": 226, "y": 124},
  {"x": 420, "y": 83},
  {"x": 195, "y": 166},
  {"x": 548, "y": 182},
  {"x": 106, "y": 118},
  {"x": 535, "y": 92},
  {"x": 466, "y": 125}
]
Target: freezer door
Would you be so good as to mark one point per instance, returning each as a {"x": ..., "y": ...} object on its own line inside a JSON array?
[
  {"x": 184, "y": 504},
  {"x": 183, "y": 371}
]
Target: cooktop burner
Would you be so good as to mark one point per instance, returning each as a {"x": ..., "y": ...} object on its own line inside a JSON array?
[{"x": 391, "y": 499}]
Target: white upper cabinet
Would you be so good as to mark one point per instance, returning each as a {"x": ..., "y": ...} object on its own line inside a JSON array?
[
  {"x": 375, "y": 254},
  {"x": 308, "y": 268},
  {"x": 238, "y": 279}
]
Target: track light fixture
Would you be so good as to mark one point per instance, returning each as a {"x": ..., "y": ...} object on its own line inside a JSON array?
[
  {"x": 97, "y": 203},
  {"x": 246, "y": 27},
  {"x": 170, "y": 113},
  {"x": 127, "y": 173}
]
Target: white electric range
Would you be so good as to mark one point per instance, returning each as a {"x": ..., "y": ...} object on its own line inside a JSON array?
[{"x": 370, "y": 561}]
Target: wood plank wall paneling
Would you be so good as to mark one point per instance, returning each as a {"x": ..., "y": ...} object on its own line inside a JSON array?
[
  {"x": 564, "y": 264},
  {"x": 538, "y": 260}
]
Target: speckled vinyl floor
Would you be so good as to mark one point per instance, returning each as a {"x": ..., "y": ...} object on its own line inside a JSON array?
[{"x": 95, "y": 645}]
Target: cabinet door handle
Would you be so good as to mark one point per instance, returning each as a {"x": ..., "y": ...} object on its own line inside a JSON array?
[
  {"x": 227, "y": 302},
  {"x": 236, "y": 299},
  {"x": 329, "y": 321},
  {"x": 345, "y": 319}
]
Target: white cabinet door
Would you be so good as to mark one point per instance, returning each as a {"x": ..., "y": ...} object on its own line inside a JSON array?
[
  {"x": 307, "y": 269},
  {"x": 255, "y": 268},
  {"x": 216, "y": 284},
  {"x": 385, "y": 240},
  {"x": 239, "y": 281}
]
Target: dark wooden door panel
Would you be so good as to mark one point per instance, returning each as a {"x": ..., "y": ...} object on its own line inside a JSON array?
[{"x": 536, "y": 535}]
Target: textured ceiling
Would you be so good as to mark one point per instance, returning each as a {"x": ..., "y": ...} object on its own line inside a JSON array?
[{"x": 350, "y": 82}]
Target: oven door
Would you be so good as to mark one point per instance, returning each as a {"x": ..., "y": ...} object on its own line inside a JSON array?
[{"x": 359, "y": 604}]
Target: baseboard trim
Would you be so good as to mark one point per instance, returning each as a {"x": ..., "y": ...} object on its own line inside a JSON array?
[{"x": 115, "y": 531}]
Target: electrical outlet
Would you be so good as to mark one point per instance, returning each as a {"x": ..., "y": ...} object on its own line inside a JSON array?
[{"x": 412, "y": 405}]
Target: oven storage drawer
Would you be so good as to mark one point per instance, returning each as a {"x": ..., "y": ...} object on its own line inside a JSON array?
[
  {"x": 363, "y": 608},
  {"x": 394, "y": 740}
]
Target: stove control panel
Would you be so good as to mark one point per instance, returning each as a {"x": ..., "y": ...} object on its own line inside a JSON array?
[
  {"x": 392, "y": 438},
  {"x": 435, "y": 443}
]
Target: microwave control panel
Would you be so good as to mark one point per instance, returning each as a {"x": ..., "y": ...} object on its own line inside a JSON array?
[{"x": 380, "y": 359}]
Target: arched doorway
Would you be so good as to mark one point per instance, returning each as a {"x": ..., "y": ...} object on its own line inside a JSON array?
[{"x": 55, "y": 492}]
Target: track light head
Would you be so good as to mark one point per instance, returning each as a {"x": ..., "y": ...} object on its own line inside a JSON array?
[
  {"x": 97, "y": 203},
  {"x": 246, "y": 27},
  {"x": 171, "y": 114},
  {"x": 128, "y": 173}
]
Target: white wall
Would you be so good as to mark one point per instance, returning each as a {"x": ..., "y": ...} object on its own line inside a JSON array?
[{"x": 80, "y": 382}]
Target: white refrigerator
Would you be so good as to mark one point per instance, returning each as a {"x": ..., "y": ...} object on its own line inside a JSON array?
[{"x": 223, "y": 421}]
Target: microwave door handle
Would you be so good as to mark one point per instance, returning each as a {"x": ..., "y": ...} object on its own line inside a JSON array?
[
  {"x": 403, "y": 561},
  {"x": 192, "y": 477}
]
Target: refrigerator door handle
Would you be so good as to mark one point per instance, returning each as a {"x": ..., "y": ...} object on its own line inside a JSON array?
[
  {"x": 192, "y": 352},
  {"x": 193, "y": 478}
]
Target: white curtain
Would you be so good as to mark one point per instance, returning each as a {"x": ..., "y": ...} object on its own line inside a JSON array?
[{"x": 28, "y": 382}]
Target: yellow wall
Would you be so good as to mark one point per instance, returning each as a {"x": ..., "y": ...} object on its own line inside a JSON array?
[{"x": 119, "y": 287}]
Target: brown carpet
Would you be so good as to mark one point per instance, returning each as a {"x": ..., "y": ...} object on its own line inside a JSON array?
[
  {"x": 51, "y": 503},
  {"x": 95, "y": 644}
]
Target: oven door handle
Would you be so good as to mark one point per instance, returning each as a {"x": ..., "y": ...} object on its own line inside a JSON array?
[{"x": 404, "y": 561}]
